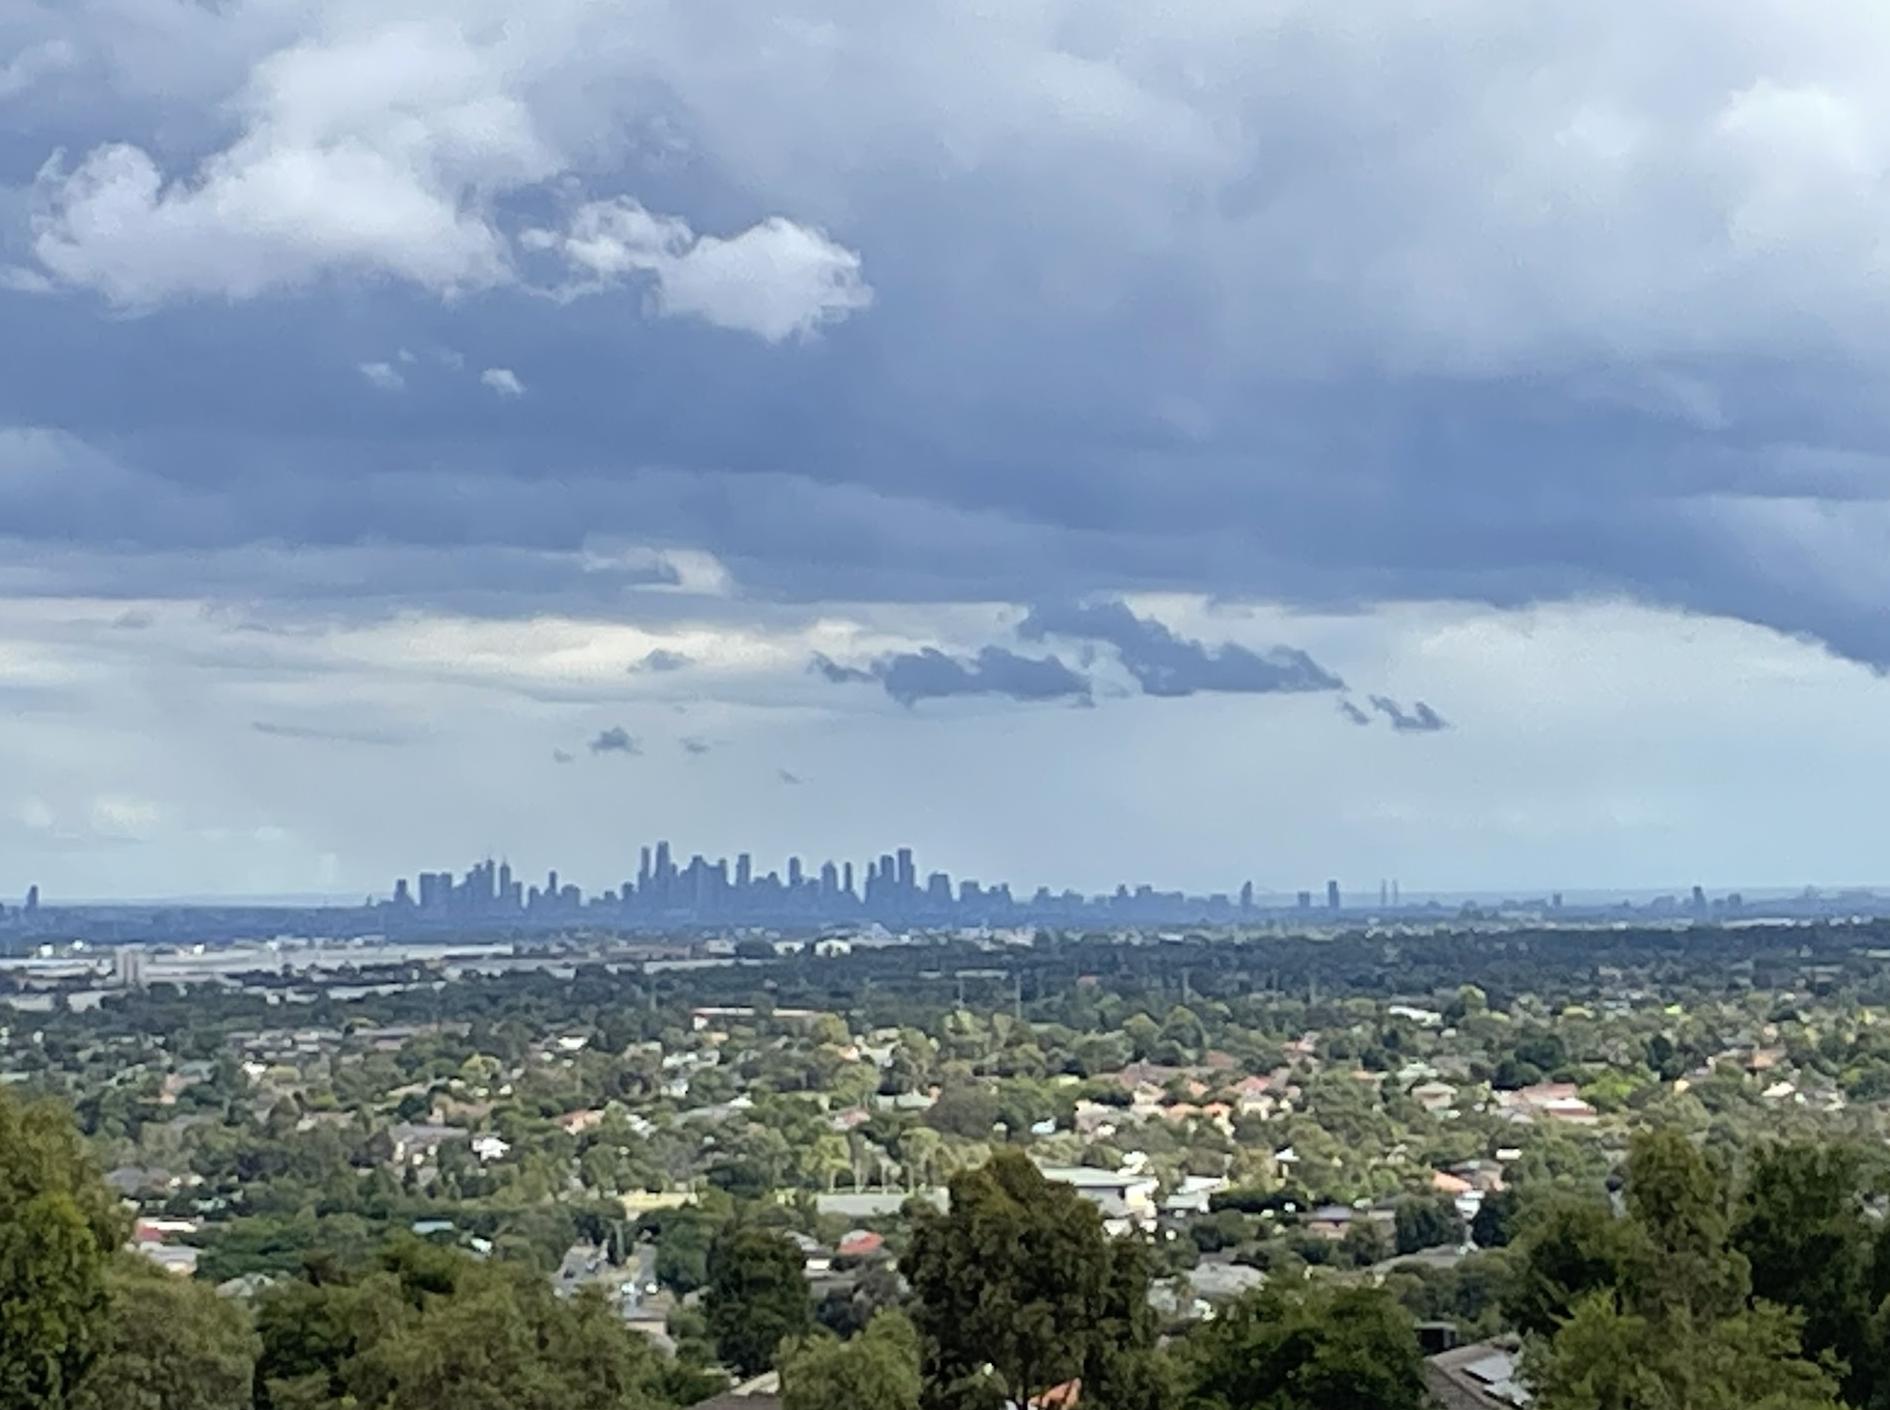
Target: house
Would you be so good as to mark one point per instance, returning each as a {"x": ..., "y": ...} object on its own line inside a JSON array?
[
  {"x": 1216, "y": 1282},
  {"x": 576, "y": 1123},
  {"x": 1126, "y": 1197},
  {"x": 1329, "y": 1221},
  {"x": 1193, "y": 1194},
  {"x": 179, "y": 1260},
  {"x": 1434, "y": 1095},
  {"x": 416, "y": 1142},
  {"x": 1558, "y": 1101},
  {"x": 1481, "y": 1376},
  {"x": 761, "y": 1393},
  {"x": 1254, "y": 1096},
  {"x": 490, "y": 1148},
  {"x": 860, "y": 1243},
  {"x": 134, "y": 1180},
  {"x": 816, "y": 1261}
]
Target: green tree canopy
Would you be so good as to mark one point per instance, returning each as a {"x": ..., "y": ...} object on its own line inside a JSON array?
[
  {"x": 59, "y": 1227},
  {"x": 1020, "y": 1277},
  {"x": 169, "y": 1344},
  {"x": 756, "y": 1297},
  {"x": 877, "y": 1370},
  {"x": 1325, "y": 1349}
]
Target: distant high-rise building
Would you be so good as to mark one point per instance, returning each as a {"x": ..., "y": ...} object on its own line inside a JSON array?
[
  {"x": 1555, "y": 901},
  {"x": 1246, "y": 896},
  {"x": 908, "y": 873},
  {"x": 32, "y": 899},
  {"x": 1332, "y": 895},
  {"x": 1384, "y": 893},
  {"x": 402, "y": 897},
  {"x": 505, "y": 882},
  {"x": 744, "y": 871},
  {"x": 846, "y": 878},
  {"x": 829, "y": 880},
  {"x": 795, "y": 876},
  {"x": 1699, "y": 898},
  {"x": 128, "y": 967},
  {"x": 643, "y": 872},
  {"x": 1305, "y": 900}
]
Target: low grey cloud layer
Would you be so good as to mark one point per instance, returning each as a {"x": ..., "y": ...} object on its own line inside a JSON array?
[
  {"x": 663, "y": 661},
  {"x": 1165, "y": 664},
  {"x": 326, "y": 734},
  {"x": 1419, "y": 719},
  {"x": 930, "y": 674}
]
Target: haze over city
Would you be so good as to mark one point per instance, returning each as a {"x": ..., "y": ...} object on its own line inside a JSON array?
[{"x": 1084, "y": 442}]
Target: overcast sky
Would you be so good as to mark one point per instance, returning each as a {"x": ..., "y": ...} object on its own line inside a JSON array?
[{"x": 1081, "y": 439}]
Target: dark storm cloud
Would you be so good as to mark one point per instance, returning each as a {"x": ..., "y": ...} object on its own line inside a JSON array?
[
  {"x": 1165, "y": 664},
  {"x": 1353, "y": 713},
  {"x": 663, "y": 661},
  {"x": 1239, "y": 327},
  {"x": 328, "y": 734},
  {"x": 930, "y": 674},
  {"x": 615, "y": 740},
  {"x": 1419, "y": 719}
]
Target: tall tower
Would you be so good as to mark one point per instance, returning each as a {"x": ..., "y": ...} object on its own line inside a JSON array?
[{"x": 1332, "y": 895}]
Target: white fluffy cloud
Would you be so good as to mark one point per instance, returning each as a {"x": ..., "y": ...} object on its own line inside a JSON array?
[
  {"x": 388, "y": 151},
  {"x": 502, "y": 380},
  {"x": 383, "y": 375},
  {"x": 376, "y": 154},
  {"x": 775, "y": 279}
]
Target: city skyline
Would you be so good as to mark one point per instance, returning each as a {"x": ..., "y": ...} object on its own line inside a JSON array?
[{"x": 892, "y": 887}]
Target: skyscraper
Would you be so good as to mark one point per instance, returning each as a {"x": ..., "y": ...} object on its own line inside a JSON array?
[
  {"x": 1332, "y": 895},
  {"x": 908, "y": 874},
  {"x": 744, "y": 871},
  {"x": 795, "y": 876},
  {"x": 846, "y": 878},
  {"x": 1246, "y": 896}
]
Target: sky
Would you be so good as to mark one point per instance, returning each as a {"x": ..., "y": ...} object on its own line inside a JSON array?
[{"x": 1084, "y": 440}]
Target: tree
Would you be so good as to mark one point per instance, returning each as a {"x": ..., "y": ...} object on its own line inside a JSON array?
[
  {"x": 756, "y": 1297},
  {"x": 58, "y": 1229},
  {"x": 1572, "y": 1248},
  {"x": 877, "y": 1370},
  {"x": 1495, "y": 1222},
  {"x": 1801, "y": 1226},
  {"x": 1020, "y": 1277},
  {"x": 1427, "y": 1223},
  {"x": 169, "y": 1344},
  {"x": 1607, "y": 1358},
  {"x": 1679, "y": 1203},
  {"x": 435, "y": 1330},
  {"x": 1326, "y": 1349}
]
